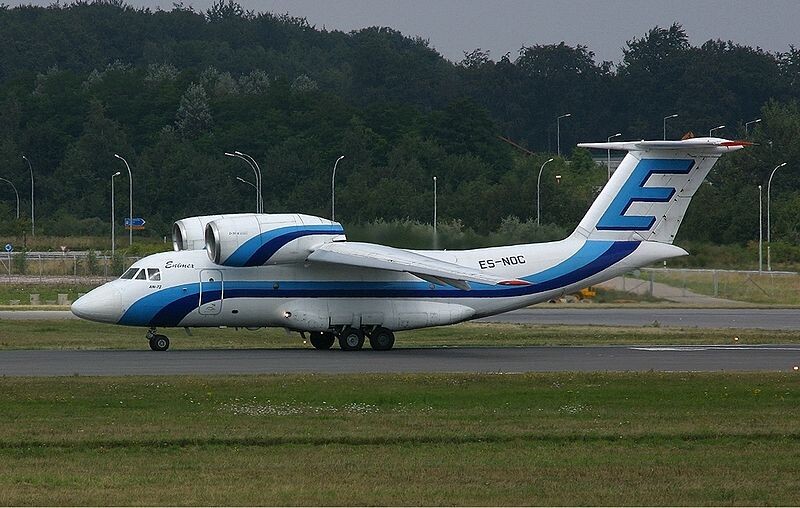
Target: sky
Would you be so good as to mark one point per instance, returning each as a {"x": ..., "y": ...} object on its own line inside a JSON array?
[{"x": 504, "y": 26}]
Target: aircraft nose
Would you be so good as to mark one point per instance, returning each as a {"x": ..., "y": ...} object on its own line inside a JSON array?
[{"x": 102, "y": 304}]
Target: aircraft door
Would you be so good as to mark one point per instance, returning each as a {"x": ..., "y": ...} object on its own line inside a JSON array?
[{"x": 211, "y": 292}]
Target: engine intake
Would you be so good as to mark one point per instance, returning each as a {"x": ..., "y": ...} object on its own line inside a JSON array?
[
  {"x": 257, "y": 240},
  {"x": 189, "y": 233}
]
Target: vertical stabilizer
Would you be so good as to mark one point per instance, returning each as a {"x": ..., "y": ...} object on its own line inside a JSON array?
[{"x": 647, "y": 196}]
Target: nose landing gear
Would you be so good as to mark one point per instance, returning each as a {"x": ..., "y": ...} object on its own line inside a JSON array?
[{"x": 157, "y": 342}]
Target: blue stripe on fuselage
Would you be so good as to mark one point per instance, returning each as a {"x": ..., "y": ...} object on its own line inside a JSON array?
[{"x": 169, "y": 306}]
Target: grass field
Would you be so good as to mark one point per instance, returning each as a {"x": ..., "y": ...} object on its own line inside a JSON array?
[
  {"x": 609, "y": 439},
  {"x": 75, "y": 334}
]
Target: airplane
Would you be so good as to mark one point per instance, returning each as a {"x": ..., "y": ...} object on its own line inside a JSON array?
[{"x": 300, "y": 273}]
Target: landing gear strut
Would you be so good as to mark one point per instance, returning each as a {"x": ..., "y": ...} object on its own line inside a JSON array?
[{"x": 157, "y": 342}]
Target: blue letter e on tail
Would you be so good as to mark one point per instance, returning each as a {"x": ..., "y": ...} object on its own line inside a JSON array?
[{"x": 633, "y": 190}]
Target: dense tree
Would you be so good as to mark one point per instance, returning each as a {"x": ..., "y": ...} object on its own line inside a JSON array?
[{"x": 174, "y": 90}]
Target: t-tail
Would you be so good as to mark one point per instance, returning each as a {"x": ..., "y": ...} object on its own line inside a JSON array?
[{"x": 647, "y": 196}]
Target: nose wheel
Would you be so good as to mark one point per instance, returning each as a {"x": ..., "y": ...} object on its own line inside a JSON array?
[{"x": 157, "y": 342}]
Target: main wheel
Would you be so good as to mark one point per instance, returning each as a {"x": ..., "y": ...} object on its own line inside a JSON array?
[
  {"x": 322, "y": 340},
  {"x": 351, "y": 339},
  {"x": 159, "y": 343},
  {"x": 381, "y": 339}
]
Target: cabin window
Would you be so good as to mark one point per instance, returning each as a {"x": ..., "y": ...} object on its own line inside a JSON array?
[
  {"x": 142, "y": 275},
  {"x": 129, "y": 273},
  {"x": 153, "y": 274}
]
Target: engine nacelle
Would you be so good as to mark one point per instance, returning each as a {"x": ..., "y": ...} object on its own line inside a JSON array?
[
  {"x": 257, "y": 240},
  {"x": 189, "y": 233}
]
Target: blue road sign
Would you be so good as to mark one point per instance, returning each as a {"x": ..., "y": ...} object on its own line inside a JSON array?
[
  {"x": 135, "y": 222},
  {"x": 9, "y": 247}
]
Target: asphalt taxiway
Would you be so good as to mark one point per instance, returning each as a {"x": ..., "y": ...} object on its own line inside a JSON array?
[
  {"x": 425, "y": 360},
  {"x": 547, "y": 314}
]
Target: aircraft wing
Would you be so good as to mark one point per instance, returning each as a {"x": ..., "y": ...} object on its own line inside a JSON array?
[{"x": 381, "y": 257}]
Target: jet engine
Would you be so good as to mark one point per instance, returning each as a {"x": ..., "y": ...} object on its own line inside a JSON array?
[
  {"x": 189, "y": 233},
  {"x": 257, "y": 240}
]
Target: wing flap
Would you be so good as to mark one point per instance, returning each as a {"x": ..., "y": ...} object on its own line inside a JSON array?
[{"x": 381, "y": 257}]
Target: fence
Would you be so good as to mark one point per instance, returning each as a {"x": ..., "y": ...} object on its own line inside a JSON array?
[
  {"x": 742, "y": 285},
  {"x": 77, "y": 265}
]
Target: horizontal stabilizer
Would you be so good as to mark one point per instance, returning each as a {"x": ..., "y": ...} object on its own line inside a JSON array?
[{"x": 711, "y": 145}]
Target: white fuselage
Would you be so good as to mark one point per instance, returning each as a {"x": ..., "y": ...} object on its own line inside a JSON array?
[{"x": 195, "y": 292}]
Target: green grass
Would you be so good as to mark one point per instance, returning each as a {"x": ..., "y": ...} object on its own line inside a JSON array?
[
  {"x": 78, "y": 334},
  {"x": 22, "y": 292},
  {"x": 610, "y": 439}
]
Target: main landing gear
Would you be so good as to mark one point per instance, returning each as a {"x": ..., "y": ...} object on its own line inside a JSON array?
[
  {"x": 157, "y": 342},
  {"x": 352, "y": 339}
]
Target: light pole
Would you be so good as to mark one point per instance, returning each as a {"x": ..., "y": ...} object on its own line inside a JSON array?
[
  {"x": 746, "y": 125},
  {"x": 434, "y": 209},
  {"x": 558, "y": 129},
  {"x": 769, "y": 185},
  {"x": 130, "y": 200},
  {"x": 240, "y": 155},
  {"x": 711, "y": 131},
  {"x": 33, "y": 218},
  {"x": 113, "y": 220},
  {"x": 760, "y": 233},
  {"x": 333, "y": 188},
  {"x": 538, "y": 182},
  {"x": 251, "y": 184},
  {"x": 665, "y": 124},
  {"x": 258, "y": 178},
  {"x": 15, "y": 192},
  {"x": 609, "y": 153}
]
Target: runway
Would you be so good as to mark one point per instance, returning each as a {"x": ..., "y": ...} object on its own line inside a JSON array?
[
  {"x": 547, "y": 314},
  {"x": 434, "y": 360},
  {"x": 755, "y": 318}
]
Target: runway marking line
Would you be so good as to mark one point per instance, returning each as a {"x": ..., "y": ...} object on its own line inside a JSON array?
[{"x": 713, "y": 348}]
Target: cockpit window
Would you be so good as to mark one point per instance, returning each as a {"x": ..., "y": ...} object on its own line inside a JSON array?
[
  {"x": 142, "y": 275},
  {"x": 153, "y": 274},
  {"x": 129, "y": 273}
]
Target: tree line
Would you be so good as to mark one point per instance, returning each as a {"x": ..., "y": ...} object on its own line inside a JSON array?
[{"x": 172, "y": 91}]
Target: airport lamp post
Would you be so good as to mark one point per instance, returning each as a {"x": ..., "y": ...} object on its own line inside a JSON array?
[
  {"x": 711, "y": 131},
  {"x": 538, "y": 195},
  {"x": 769, "y": 186},
  {"x": 333, "y": 188},
  {"x": 665, "y": 124},
  {"x": 33, "y": 218},
  {"x": 113, "y": 224},
  {"x": 760, "y": 233},
  {"x": 15, "y": 193},
  {"x": 434, "y": 208},
  {"x": 558, "y": 131},
  {"x": 746, "y": 125},
  {"x": 258, "y": 178},
  {"x": 251, "y": 184},
  {"x": 130, "y": 200},
  {"x": 240, "y": 155},
  {"x": 609, "y": 152}
]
